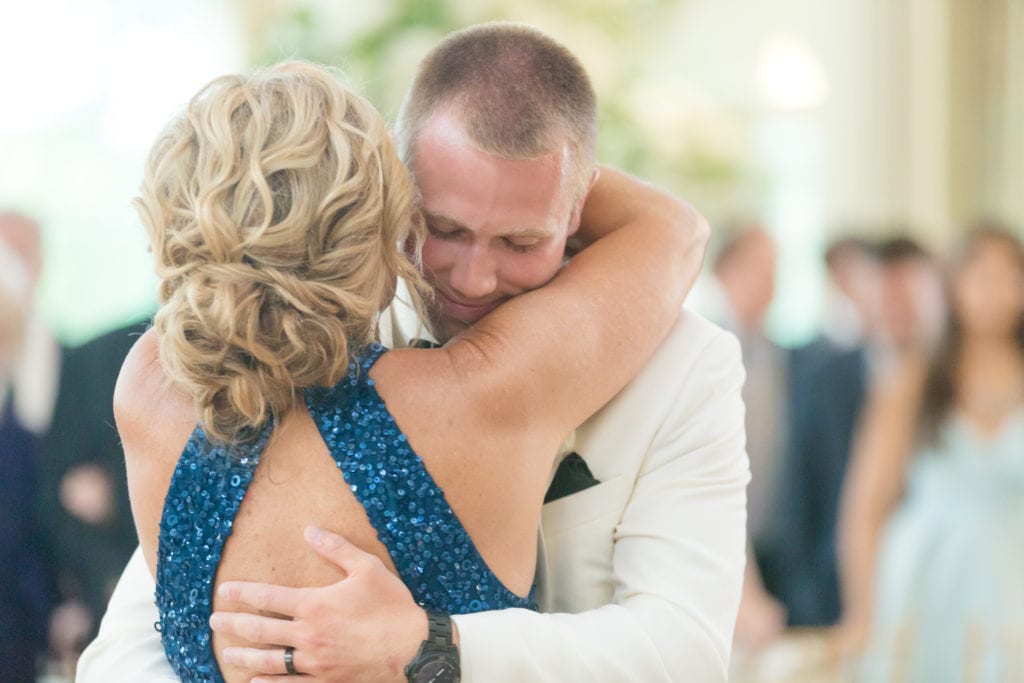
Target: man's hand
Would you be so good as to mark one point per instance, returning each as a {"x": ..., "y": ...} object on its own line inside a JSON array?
[{"x": 365, "y": 627}]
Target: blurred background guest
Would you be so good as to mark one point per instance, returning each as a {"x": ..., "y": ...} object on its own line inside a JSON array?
[
  {"x": 852, "y": 297},
  {"x": 64, "y": 510},
  {"x": 828, "y": 382},
  {"x": 84, "y": 511},
  {"x": 933, "y": 517},
  {"x": 744, "y": 272},
  {"x": 35, "y": 364},
  {"x": 883, "y": 301},
  {"x": 912, "y": 307},
  {"x": 27, "y": 384}
]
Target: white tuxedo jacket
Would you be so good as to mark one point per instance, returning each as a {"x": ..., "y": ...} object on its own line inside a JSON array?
[{"x": 639, "y": 577}]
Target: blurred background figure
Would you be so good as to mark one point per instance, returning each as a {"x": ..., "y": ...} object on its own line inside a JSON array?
[
  {"x": 883, "y": 301},
  {"x": 933, "y": 517},
  {"x": 28, "y": 360},
  {"x": 744, "y": 275},
  {"x": 912, "y": 311},
  {"x": 852, "y": 296},
  {"x": 35, "y": 364},
  {"x": 828, "y": 382},
  {"x": 84, "y": 511},
  {"x": 64, "y": 511}
]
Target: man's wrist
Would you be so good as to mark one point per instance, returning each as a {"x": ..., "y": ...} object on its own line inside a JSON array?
[{"x": 437, "y": 658}]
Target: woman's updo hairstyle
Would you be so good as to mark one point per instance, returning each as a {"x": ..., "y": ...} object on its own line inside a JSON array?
[{"x": 280, "y": 219}]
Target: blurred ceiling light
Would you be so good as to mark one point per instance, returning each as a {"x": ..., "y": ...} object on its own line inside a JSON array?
[{"x": 789, "y": 75}]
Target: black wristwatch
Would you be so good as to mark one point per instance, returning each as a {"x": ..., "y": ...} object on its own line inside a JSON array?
[{"x": 438, "y": 658}]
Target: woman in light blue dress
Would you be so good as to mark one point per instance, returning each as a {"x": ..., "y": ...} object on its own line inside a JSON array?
[{"x": 933, "y": 542}]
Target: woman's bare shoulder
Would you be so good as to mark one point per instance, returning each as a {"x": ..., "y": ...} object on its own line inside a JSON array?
[
  {"x": 453, "y": 404},
  {"x": 154, "y": 420},
  {"x": 148, "y": 407}
]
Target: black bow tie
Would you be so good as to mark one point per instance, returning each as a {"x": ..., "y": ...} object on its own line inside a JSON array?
[{"x": 572, "y": 476}]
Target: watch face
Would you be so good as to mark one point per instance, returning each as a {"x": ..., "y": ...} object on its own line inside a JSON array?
[{"x": 438, "y": 670}]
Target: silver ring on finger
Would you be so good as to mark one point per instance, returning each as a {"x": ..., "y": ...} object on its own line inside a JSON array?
[{"x": 289, "y": 661}]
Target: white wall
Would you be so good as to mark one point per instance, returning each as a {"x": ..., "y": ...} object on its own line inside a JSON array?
[{"x": 87, "y": 86}]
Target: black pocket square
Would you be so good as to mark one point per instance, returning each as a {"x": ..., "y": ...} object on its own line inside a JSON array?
[{"x": 572, "y": 476}]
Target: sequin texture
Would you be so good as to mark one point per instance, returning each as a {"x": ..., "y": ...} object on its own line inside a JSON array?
[{"x": 432, "y": 551}]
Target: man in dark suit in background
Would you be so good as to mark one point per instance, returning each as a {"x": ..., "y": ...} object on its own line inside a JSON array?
[
  {"x": 884, "y": 299},
  {"x": 83, "y": 506},
  {"x": 828, "y": 388},
  {"x": 744, "y": 270},
  {"x": 828, "y": 384},
  {"x": 28, "y": 357}
]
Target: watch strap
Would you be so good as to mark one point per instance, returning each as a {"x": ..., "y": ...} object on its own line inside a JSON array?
[
  {"x": 439, "y": 629},
  {"x": 439, "y": 644}
]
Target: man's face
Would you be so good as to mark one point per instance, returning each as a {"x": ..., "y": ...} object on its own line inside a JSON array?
[
  {"x": 857, "y": 275},
  {"x": 749, "y": 279},
  {"x": 913, "y": 308},
  {"x": 496, "y": 227}
]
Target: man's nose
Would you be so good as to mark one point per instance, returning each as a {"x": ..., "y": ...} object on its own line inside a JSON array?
[{"x": 474, "y": 276}]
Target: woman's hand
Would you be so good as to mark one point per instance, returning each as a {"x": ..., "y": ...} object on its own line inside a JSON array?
[
  {"x": 760, "y": 621},
  {"x": 851, "y": 636},
  {"x": 761, "y": 618},
  {"x": 365, "y": 627}
]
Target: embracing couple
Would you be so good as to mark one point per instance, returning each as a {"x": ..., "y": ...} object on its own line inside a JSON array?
[{"x": 370, "y": 383}]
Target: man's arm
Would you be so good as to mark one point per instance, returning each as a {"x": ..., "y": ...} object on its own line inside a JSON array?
[
  {"x": 128, "y": 647},
  {"x": 677, "y": 565}
]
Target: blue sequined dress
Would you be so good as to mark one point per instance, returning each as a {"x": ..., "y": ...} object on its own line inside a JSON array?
[{"x": 433, "y": 553}]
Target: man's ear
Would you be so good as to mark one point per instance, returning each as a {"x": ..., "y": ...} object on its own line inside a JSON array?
[{"x": 577, "y": 212}]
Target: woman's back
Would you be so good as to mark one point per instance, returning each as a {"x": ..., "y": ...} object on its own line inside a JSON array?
[{"x": 345, "y": 465}]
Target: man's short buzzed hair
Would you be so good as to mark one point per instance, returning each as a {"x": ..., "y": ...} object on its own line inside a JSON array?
[{"x": 518, "y": 93}]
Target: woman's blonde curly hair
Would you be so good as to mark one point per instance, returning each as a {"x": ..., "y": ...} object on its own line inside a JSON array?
[{"x": 280, "y": 219}]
